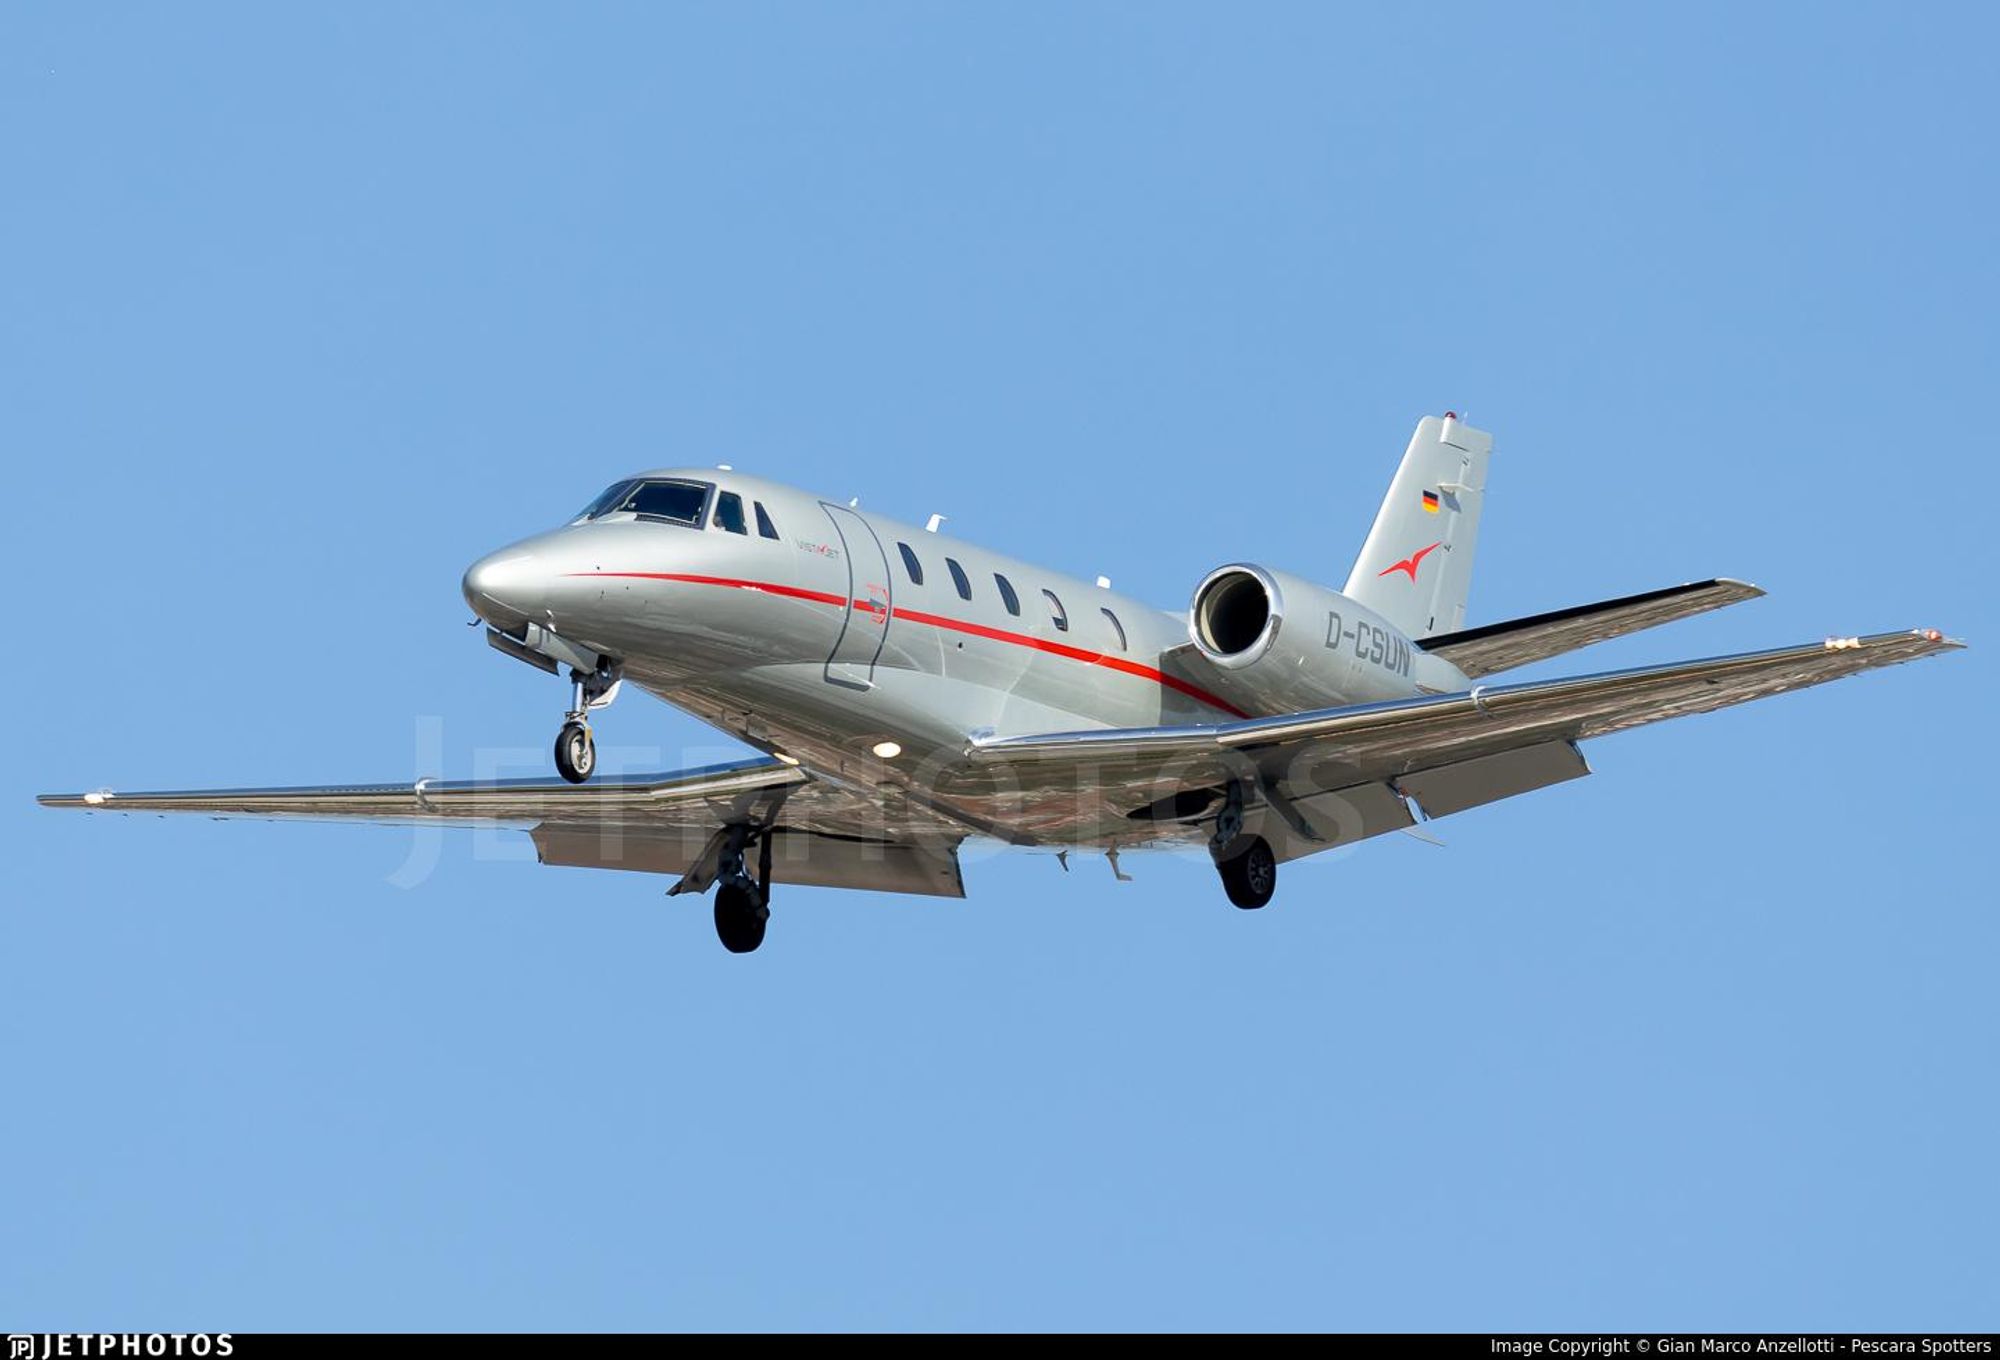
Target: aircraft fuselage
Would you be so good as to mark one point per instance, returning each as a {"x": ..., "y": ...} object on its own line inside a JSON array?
[{"x": 848, "y": 631}]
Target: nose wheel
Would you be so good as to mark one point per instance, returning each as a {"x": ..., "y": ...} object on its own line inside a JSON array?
[{"x": 576, "y": 750}]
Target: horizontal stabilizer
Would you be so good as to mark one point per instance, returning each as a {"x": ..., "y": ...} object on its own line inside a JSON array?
[{"x": 1517, "y": 642}]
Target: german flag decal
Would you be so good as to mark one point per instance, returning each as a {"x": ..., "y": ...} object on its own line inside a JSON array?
[{"x": 1430, "y": 502}]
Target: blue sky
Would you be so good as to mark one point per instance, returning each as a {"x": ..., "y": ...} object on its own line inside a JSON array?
[{"x": 306, "y": 310}]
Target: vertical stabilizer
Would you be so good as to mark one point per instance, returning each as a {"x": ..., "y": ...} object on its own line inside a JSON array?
[{"x": 1416, "y": 568}]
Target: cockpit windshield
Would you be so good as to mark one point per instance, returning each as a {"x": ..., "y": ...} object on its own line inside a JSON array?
[{"x": 675, "y": 502}]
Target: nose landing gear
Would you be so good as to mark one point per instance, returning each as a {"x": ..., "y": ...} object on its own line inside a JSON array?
[{"x": 576, "y": 750}]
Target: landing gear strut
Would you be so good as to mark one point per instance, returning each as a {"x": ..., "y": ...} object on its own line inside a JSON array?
[
  {"x": 743, "y": 903},
  {"x": 1248, "y": 867},
  {"x": 576, "y": 750}
]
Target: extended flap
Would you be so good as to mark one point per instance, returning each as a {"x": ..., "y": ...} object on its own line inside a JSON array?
[
  {"x": 1454, "y": 788},
  {"x": 801, "y": 857}
]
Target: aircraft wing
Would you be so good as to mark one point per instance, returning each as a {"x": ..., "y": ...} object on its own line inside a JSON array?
[
  {"x": 822, "y": 835},
  {"x": 1319, "y": 778},
  {"x": 1339, "y": 774}
]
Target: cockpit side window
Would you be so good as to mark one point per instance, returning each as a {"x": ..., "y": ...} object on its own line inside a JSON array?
[
  {"x": 959, "y": 580},
  {"x": 673, "y": 502},
  {"x": 764, "y": 525},
  {"x": 729, "y": 513},
  {"x": 611, "y": 496},
  {"x": 911, "y": 564},
  {"x": 1007, "y": 595}
]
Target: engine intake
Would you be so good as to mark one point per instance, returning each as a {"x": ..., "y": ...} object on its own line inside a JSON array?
[
  {"x": 1281, "y": 644},
  {"x": 1236, "y": 614}
]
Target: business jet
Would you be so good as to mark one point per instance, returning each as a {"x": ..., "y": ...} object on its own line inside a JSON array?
[{"x": 908, "y": 691}]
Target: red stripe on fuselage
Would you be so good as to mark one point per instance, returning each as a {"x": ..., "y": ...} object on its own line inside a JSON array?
[
  {"x": 732, "y": 582},
  {"x": 1062, "y": 649}
]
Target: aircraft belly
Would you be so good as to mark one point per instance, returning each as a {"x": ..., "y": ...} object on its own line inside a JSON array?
[{"x": 791, "y": 708}]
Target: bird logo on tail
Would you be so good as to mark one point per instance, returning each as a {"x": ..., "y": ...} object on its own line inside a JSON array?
[{"x": 1410, "y": 563}]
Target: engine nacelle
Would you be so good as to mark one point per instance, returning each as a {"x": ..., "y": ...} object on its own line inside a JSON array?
[{"x": 1281, "y": 644}]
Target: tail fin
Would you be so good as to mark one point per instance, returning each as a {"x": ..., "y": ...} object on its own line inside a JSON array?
[{"x": 1416, "y": 568}]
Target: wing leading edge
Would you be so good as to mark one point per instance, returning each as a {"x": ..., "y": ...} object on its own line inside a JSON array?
[{"x": 491, "y": 802}]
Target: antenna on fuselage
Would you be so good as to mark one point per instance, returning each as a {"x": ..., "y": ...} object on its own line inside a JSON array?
[
  {"x": 931, "y": 526},
  {"x": 1104, "y": 583},
  {"x": 854, "y": 503}
]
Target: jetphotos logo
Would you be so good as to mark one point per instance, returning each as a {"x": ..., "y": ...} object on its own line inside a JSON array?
[
  {"x": 54, "y": 1345},
  {"x": 1410, "y": 563}
]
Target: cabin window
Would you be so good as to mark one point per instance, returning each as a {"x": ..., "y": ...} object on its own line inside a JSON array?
[
  {"x": 1007, "y": 595},
  {"x": 764, "y": 525},
  {"x": 729, "y": 513},
  {"x": 959, "y": 579},
  {"x": 1116, "y": 627},
  {"x": 911, "y": 564},
  {"x": 673, "y": 502},
  {"x": 1057, "y": 614}
]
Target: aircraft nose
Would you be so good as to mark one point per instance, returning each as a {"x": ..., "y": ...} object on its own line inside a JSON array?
[{"x": 501, "y": 587}]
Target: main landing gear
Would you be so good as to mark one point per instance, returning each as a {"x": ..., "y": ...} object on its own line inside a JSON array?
[
  {"x": 743, "y": 903},
  {"x": 1247, "y": 864},
  {"x": 576, "y": 751},
  {"x": 1249, "y": 872}
]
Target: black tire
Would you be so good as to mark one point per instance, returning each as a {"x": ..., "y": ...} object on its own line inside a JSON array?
[
  {"x": 1249, "y": 872},
  {"x": 576, "y": 753},
  {"x": 740, "y": 917}
]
